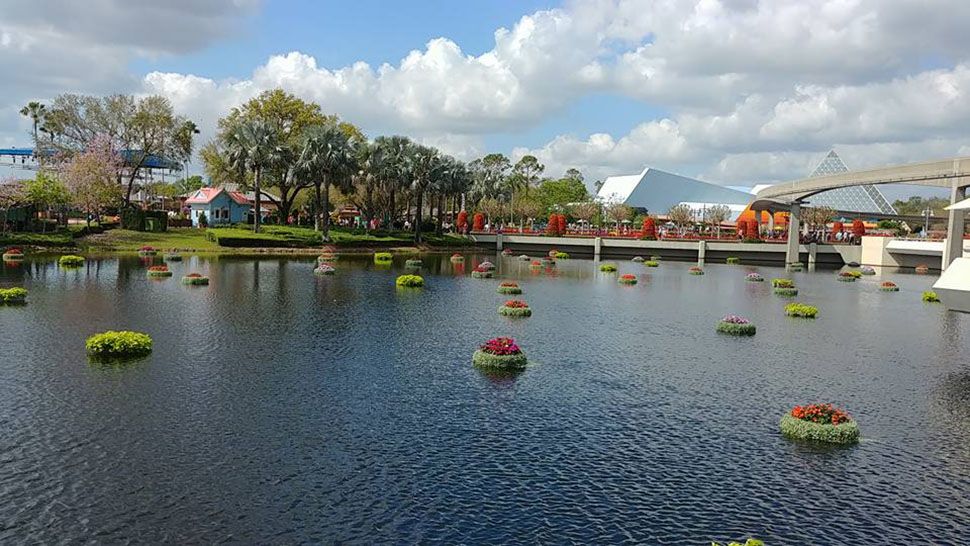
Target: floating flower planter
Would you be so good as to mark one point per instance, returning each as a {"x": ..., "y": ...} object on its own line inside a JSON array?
[
  {"x": 13, "y": 255},
  {"x": 561, "y": 256},
  {"x": 113, "y": 345},
  {"x": 627, "y": 278},
  {"x": 548, "y": 262},
  {"x": 736, "y": 326},
  {"x": 694, "y": 270},
  {"x": 820, "y": 423},
  {"x": 500, "y": 353},
  {"x": 413, "y": 263},
  {"x": 13, "y": 296},
  {"x": 922, "y": 269},
  {"x": 383, "y": 257},
  {"x": 651, "y": 263},
  {"x": 509, "y": 288},
  {"x": 173, "y": 257},
  {"x": 608, "y": 268},
  {"x": 637, "y": 259},
  {"x": 733, "y": 260},
  {"x": 70, "y": 260},
  {"x": 930, "y": 297},
  {"x": 797, "y": 266},
  {"x": 801, "y": 310},
  {"x": 866, "y": 270},
  {"x": 889, "y": 286},
  {"x": 552, "y": 253},
  {"x": 784, "y": 287},
  {"x": 507, "y": 252},
  {"x": 486, "y": 266},
  {"x": 754, "y": 277},
  {"x": 326, "y": 257},
  {"x": 524, "y": 257},
  {"x": 159, "y": 271},
  {"x": 409, "y": 281},
  {"x": 147, "y": 251},
  {"x": 479, "y": 273},
  {"x": 457, "y": 258},
  {"x": 195, "y": 279},
  {"x": 324, "y": 269},
  {"x": 846, "y": 276},
  {"x": 515, "y": 308},
  {"x": 536, "y": 264}
]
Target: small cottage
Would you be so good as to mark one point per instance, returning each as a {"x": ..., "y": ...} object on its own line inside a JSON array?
[{"x": 219, "y": 206}]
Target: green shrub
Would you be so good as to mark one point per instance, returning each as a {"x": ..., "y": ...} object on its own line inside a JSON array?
[
  {"x": 931, "y": 297},
  {"x": 733, "y": 260},
  {"x": 123, "y": 344},
  {"x": 159, "y": 271},
  {"x": 195, "y": 279},
  {"x": 651, "y": 263},
  {"x": 507, "y": 311},
  {"x": 789, "y": 292},
  {"x": 562, "y": 256},
  {"x": 478, "y": 274},
  {"x": 749, "y": 542},
  {"x": 844, "y": 433},
  {"x": 736, "y": 326},
  {"x": 801, "y": 310},
  {"x": 70, "y": 260},
  {"x": 173, "y": 257},
  {"x": 383, "y": 257},
  {"x": 782, "y": 283},
  {"x": 508, "y": 290},
  {"x": 503, "y": 362},
  {"x": 269, "y": 237},
  {"x": 608, "y": 268},
  {"x": 409, "y": 281},
  {"x": 413, "y": 263},
  {"x": 13, "y": 296}
]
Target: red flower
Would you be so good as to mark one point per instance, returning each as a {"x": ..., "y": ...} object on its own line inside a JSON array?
[
  {"x": 147, "y": 248},
  {"x": 820, "y": 413},
  {"x": 194, "y": 275},
  {"x": 509, "y": 285},
  {"x": 158, "y": 268},
  {"x": 628, "y": 277},
  {"x": 501, "y": 346},
  {"x": 14, "y": 250},
  {"x": 517, "y": 304}
]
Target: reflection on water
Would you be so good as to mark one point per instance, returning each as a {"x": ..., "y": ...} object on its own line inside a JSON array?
[{"x": 282, "y": 407}]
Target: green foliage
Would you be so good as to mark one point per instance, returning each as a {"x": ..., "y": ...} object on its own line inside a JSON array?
[
  {"x": 608, "y": 268},
  {"x": 383, "y": 257},
  {"x": 515, "y": 311},
  {"x": 173, "y": 257},
  {"x": 486, "y": 360},
  {"x": 413, "y": 263},
  {"x": 786, "y": 291},
  {"x": 409, "y": 281},
  {"x": 735, "y": 329},
  {"x": 269, "y": 237},
  {"x": 118, "y": 344},
  {"x": 915, "y": 205},
  {"x": 651, "y": 263},
  {"x": 137, "y": 219},
  {"x": 61, "y": 239},
  {"x": 195, "y": 280},
  {"x": 801, "y": 310},
  {"x": 749, "y": 542},
  {"x": 845, "y": 433},
  {"x": 559, "y": 193},
  {"x": 11, "y": 296},
  {"x": 782, "y": 283},
  {"x": 46, "y": 191},
  {"x": 482, "y": 274},
  {"x": 509, "y": 290},
  {"x": 562, "y": 256},
  {"x": 733, "y": 260},
  {"x": 70, "y": 260},
  {"x": 931, "y": 297}
]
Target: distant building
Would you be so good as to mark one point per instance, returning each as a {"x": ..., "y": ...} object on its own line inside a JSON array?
[
  {"x": 656, "y": 191},
  {"x": 219, "y": 206}
]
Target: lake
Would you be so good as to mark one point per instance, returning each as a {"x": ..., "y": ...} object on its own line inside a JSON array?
[{"x": 280, "y": 408}]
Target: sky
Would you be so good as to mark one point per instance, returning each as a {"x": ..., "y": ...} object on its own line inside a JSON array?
[{"x": 736, "y": 92}]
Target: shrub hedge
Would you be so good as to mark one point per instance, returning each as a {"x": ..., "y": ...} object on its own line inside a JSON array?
[
  {"x": 70, "y": 260},
  {"x": 383, "y": 257},
  {"x": 733, "y": 260},
  {"x": 118, "y": 344},
  {"x": 409, "y": 281},
  {"x": 13, "y": 296},
  {"x": 843, "y": 433},
  {"x": 801, "y": 310},
  {"x": 608, "y": 268},
  {"x": 195, "y": 279},
  {"x": 651, "y": 263},
  {"x": 931, "y": 297}
]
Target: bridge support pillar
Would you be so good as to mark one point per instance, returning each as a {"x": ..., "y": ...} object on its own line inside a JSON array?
[
  {"x": 954, "y": 225},
  {"x": 597, "y": 245},
  {"x": 498, "y": 242},
  {"x": 701, "y": 251},
  {"x": 794, "y": 220},
  {"x": 812, "y": 256}
]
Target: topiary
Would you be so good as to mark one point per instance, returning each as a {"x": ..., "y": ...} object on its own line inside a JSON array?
[
  {"x": 561, "y": 256},
  {"x": 118, "y": 345},
  {"x": 70, "y": 260},
  {"x": 13, "y": 296},
  {"x": 801, "y": 310},
  {"x": 930, "y": 297},
  {"x": 409, "y": 281},
  {"x": 733, "y": 260},
  {"x": 608, "y": 268},
  {"x": 515, "y": 308},
  {"x": 627, "y": 279},
  {"x": 736, "y": 326},
  {"x": 500, "y": 353},
  {"x": 383, "y": 257},
  {"x": 820, "y": 423},
  {"x": 195, "y": 279},
  {"x": 509, "y": 288}
]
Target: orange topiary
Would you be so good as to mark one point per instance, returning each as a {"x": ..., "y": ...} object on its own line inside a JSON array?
[
  {"x": 649, "y": 229},
  {"x": 858, "y": 228},
  {"x": 478, "y": 222},
  {"x": 557, "y": 225},
  {"x": 752, "y": 232},
  {"x": 462, "y": 221}
]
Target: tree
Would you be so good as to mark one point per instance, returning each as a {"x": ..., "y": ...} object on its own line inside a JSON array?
[
  {"x": 526, "y": 173},
  {"x": 585, "y": 211},
  {"x": 36, "y": 111},
  {"x": 817, "y": 217},
  {"x": 252, "y": 146},
  {"x": 562, "y": 192},
  {"x": 649, "y": 229},
  {"x": 490, "y": 174},
  {"x": 492, "y": 208},
  {"x": 141, "y": 130},
  {"x": 528, "y": 207},
  {"x": 556, "y": 227},
  {"x": 327, "y": 158},
  {"x": 717, "y": 215},
  {"x": 188, "y": 185},
  {"x": 573, "y": 174},
  {"x": 681, "y": 215},
  {"x": 426, "y": 167},
  {"x": 618, "y": 212},
  {"x": 391, "y": 169},
  {"x": 46, "y": 192},
  {"x": 90, "y": 177},
  {"x": 11, "y": 194}
]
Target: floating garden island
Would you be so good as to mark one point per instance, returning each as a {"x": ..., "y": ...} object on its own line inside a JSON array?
[
  {"x": 487, "y": 266},
  {"x": 515, "y": 308},
  {"x": 324, "y": 269},
  {"x": 733, "y": 260},
  {"x": 608, "y": 268},
  {"x": 13, "y": 296},
  {"x": 501, "y": 353},
  {"x": 509, "y": 288},
  {"x": 536, "y": 264},
  {"x": 922, "y": 269},
  {"x": 457, "y": 258},
  {"x": 930, "y": 297},
  {"x": 749, "y": 542},
  {"x": 112, "y": 345},
  {"x": 479, "y": 273},
  {"x": 651, "y": 263},
  {"x": 627, "y": 278},
  {"x": 694, "y": 270},
  {"x": 409, "y": 281},
  {"x": 159, "y": 272},
  {"x": 561, "y": 256},
  {"x": 13, "y": 255},
  {"x": 801, "y": 310},
  {"x": 326, "y": 257},
  {"x": 889, "y": 286},
  {"x": 413, "y": 263},
  {"x": 70, "y": 261},
  {"x": 736, "y": 326},
  {"x": 784, "y": 287},
  {"x": 848, "y": 276},
  {"x": 637, "y": 259},
  {"x": 552, "y": 253},
  {"x": 820, "y": 423},
  {"x": 507, "y": 252},
  {"x": 173, "y": 257},
  {"x": 147, "y": 251},
  {"x": 383, "y": 257},
  {"x": 524, "y": 257},
  {"x": 866, "y": 270},
  {"x": 195, "y": 279},
  {"x": 754, "y": 277},
  {"x": 797, "y": 266}
]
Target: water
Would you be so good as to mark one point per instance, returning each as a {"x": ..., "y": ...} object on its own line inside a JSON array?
[{"x": 281, "y": 408}]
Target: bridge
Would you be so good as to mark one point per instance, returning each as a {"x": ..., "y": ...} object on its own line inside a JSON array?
[{"x": 953, "y": 174}]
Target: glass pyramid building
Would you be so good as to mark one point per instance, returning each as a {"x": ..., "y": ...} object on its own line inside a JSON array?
[{"x": 853, "y": 199}]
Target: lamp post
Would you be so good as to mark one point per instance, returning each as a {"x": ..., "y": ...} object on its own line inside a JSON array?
[{"x": 926, "y": 221}]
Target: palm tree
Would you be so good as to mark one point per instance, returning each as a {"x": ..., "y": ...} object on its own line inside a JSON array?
[
  {"x": 392, "y": 168},
  {"x": 426, "y": 167},
  {"x": 327, "y": 157},
  {"x": 36, "y": 112},
  {"x": 253, "y": 146}
]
